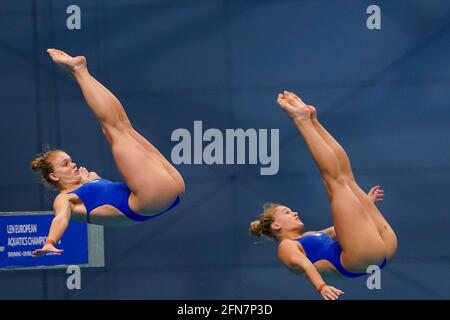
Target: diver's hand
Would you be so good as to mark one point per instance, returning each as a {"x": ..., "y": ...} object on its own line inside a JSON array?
[
  {"x": 87, "y": 176},
  {"x": 84, "y": 173},
  {"x": 330, "y": 293},
  {"x": 376, "y": 194},
  {"x": 46, "y": 249}
]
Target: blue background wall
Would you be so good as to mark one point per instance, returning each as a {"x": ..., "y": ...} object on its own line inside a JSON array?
[{"x": 383, "y": 94}]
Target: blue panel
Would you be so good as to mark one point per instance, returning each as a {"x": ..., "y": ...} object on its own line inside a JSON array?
[{"x": 21, "y": 235}]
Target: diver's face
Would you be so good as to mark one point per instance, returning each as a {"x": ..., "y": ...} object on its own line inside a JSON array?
[
  {"x": 65, "y": 171},
  {"x": 286, "y": 219}
]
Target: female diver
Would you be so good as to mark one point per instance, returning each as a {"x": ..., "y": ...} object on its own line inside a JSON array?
[
  {"x": 152, "y": 185},
  {"x": 360, "y": 237}
]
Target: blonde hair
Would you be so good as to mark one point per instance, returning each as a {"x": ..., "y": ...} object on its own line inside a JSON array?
[
  {"x": 42, "y": 163},
  {"x": 263, "y": 226}
]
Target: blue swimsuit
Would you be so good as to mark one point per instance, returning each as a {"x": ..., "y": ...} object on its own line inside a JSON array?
[
  {"x": 319, "y": 246},
  {"x": 100, "y": 192}
]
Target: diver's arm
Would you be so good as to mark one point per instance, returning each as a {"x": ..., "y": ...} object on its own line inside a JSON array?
[
  {"x": 63, "y": 209},
  {"x": 296, "y": 261},
  {"x": 329, "y": 232},
  {"x": 94, "y": 176}
]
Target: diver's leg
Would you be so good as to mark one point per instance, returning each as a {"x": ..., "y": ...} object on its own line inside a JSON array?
[
  {"x": 359, "y": 238},
  {"x": 153, "y": 188}
]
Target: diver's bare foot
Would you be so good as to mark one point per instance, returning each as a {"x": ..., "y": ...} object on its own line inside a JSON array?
[
  {"x": 295, "y": 97},
  {"x": 294, "y": 106},
  {"x": 69, "y": 63}
]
